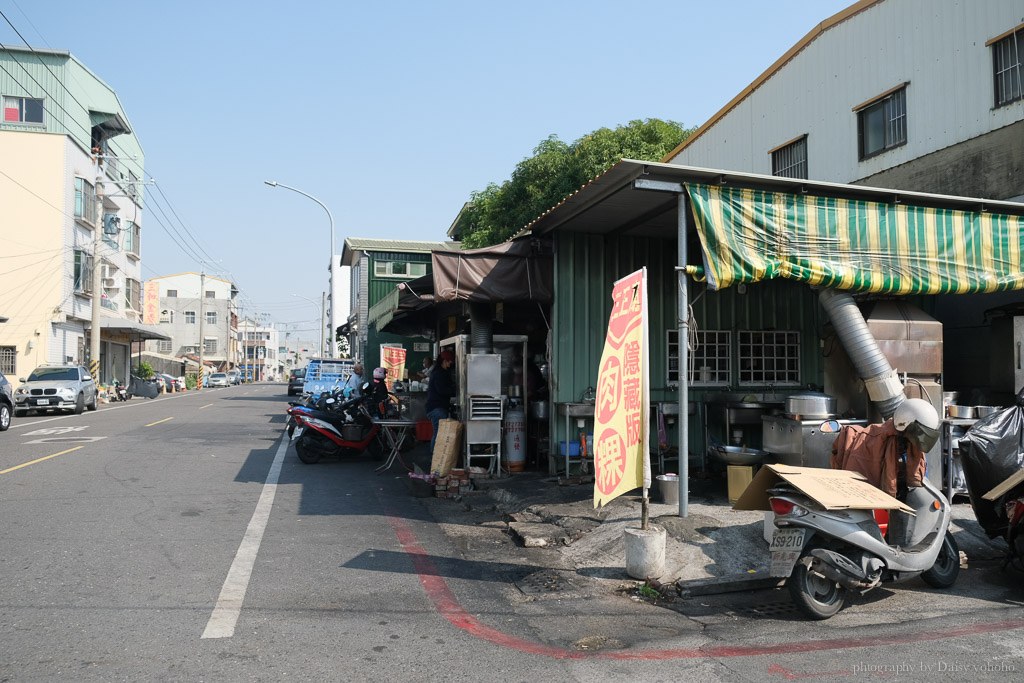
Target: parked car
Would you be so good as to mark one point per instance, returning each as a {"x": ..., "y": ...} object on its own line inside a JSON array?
[
  {"x": 296, "y": 379},
  {"x": 219, "y": 379},
  {"x": 56, "y": 387},
  {"x": 6, "y": 403},
  {"x": 166, "y": 382},
  {"x": 235, "y": 377}
]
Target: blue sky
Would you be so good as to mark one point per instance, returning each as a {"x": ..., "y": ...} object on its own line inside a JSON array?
[{"x": 391, "y": 113}]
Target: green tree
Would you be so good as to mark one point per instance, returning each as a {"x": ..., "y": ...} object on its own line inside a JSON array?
[{"x": 555, "y": 171}]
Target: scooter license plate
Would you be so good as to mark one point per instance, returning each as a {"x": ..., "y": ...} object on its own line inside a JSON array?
[
  {"x": 786, "y": 546},
  {"x": 297, "y": 433}
]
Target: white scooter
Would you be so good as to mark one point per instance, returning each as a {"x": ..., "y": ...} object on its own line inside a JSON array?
[{"x": 844, "y": 550}]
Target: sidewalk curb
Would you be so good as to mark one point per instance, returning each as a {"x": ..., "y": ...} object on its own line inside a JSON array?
[{"x": 727, "y": 584}]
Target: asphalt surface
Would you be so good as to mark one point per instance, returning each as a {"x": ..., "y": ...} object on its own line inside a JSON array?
[{"x": 120, "y": 529}]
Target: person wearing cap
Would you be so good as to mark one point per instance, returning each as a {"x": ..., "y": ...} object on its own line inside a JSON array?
[{"x": 440, "y": 390}]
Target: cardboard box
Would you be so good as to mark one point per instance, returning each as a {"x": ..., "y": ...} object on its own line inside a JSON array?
[
  {"x": 447, "y": 447},
  {"x": 832, "y": 489}
]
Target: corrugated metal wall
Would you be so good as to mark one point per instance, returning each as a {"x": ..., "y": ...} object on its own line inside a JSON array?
[
  {"x": 937, "y": 46},
  {"x": 585, "y": 268},
  {"x": 377, "y": 289}
]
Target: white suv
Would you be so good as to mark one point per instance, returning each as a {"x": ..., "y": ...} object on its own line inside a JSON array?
[{"x": 56, "y": 387}]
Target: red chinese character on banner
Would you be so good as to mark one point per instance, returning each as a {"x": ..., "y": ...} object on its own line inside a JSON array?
[
  {"x": 609, "y": 461},
  {"x": 609, "y": 389},
  {"x": 632, "y": 429},
  {"x": 632, "y": 358}
]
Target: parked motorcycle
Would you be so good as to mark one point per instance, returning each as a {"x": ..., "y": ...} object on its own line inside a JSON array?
[
  {"x": 846, "y": 550},
  {"x": 120, "y": 392},
  {"x": 348, "y": 430}
]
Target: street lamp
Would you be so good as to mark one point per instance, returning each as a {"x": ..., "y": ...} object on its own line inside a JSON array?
[
  {"x": 321, "y": 308},
  {"x": 333, "y": 268}
]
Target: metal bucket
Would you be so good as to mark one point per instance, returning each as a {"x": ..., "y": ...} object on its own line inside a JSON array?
[
  {"x": 668, "y": 488},
  {"x": 539, "y": 410}
]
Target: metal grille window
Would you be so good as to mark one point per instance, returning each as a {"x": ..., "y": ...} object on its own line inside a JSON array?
[
  {"x": 882, "y": 124},
  {"x": 399, "y": 269},
  {"x": 7, "y": 357},
  {"x": 165, "y": 346},
  {"x": 211, "y": 317},
  {"x": 790, "y": 161},
  {"x": 769, "y": 357},
  {"x": 172, "y": 294},
  {"x": 190, "y": 317},
  {"x": 710, "y": 357},
  {"x": 1006, "y": 63},
  {"x": 210, "y": 345}
]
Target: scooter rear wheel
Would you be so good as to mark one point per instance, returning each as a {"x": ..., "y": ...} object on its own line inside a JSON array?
[
  {"x": 816, "y": 596},
  {"x": 947, "y": 565},
  {"x": 309, "y": 456}
]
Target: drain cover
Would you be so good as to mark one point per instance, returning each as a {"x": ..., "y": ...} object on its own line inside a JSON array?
[
  {"x": 546, "y": 582},
  {"x": 770, "y": 609}
]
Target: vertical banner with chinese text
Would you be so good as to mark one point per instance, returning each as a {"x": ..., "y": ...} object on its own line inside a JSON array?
[
  {"x": 621, "y": 459},
  {"x": 151, "y": 303},
  {"x": 392, "y": 358}
]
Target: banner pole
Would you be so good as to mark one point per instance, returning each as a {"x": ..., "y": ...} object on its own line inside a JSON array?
[{"x": 684, "y": 359}]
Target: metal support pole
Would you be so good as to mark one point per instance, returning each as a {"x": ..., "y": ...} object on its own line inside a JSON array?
[
  {"x": 684, "y": 358},
  {"x": 323, "y": 323}
]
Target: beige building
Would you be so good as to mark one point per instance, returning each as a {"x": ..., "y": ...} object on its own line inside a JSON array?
[{"x": 70, "y": 192}]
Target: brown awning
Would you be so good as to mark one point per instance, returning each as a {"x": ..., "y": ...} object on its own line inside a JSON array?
[{"x": 520, "y": 270}]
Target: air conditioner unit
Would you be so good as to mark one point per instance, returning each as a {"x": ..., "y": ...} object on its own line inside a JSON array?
[
  {"x": 108, "y": 271},
  {"x": 110, "y": 283}
]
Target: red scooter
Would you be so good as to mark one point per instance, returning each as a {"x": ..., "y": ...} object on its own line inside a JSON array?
[{"x": 349, "y": 430}]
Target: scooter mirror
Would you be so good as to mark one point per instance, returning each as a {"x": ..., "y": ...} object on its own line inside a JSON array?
[
  {"x": 329, "y": 401},
  {"x": 830, "y": 427}
]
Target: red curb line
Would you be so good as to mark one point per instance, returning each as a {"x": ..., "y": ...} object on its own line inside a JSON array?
[{"x": 448, "y": 606}]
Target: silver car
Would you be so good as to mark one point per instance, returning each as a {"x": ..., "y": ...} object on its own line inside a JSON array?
[
  {"x": 56, "y": 387},
  {"x": 219, "y": 379}
]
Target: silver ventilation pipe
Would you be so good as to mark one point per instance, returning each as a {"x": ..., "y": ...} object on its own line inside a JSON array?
[
  {"x": 481, "y": 338},
  {"x": 882, "y": 383}
]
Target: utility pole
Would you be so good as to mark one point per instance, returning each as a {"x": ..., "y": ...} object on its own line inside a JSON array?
[
  {"x": 202, "y": 320},
  {"x": 97, "y": 285}
]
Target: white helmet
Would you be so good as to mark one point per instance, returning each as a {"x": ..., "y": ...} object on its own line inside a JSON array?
[{"x": 918, "y": 420}]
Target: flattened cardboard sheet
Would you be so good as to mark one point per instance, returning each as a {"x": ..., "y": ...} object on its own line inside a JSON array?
[{"x": 832, "y": 489}]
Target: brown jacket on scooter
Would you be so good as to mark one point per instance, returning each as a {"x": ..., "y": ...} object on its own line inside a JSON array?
[{"x": 874, "y": 452}]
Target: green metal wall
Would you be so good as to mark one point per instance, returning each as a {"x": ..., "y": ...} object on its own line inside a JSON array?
[
  {"x": 378, "y": 288},
  {"x": 586, "y": 267}
]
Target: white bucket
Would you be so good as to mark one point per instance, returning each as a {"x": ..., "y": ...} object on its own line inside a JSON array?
[{"x": 515, "y": 440}]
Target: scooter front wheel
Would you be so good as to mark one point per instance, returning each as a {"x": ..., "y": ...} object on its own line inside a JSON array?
[
  {"x": 947, "y": 565},
  {"x": 306, "y": 454},
  {"x": 816, "y": 596}
]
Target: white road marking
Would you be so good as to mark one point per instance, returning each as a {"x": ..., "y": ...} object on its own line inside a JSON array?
[
  {"x": 67, "y": 439},
  {"x": 232, "y": 594}
]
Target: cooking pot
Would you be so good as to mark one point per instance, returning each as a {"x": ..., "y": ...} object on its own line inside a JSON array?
[
  {"x": 985, "y": 411},
  {"x": 538, "y": 410},
  {"x": 960, "y": 412},
  {"x": 811, "y": 405}
]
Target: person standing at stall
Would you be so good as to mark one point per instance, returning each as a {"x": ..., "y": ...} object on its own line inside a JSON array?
[{"x": 440, "y": 390}]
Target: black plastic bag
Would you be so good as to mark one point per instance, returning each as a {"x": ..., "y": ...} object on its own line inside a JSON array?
[{"x": 991, "y": 451}]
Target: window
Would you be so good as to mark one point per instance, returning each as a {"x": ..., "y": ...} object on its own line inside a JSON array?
[
  {"x": 7, "y": 357},
  {"x": 190, "y": 317},
  {"x": 882, "y": 123},
  {"x": 399, "y": 269},
  {"x": 132, "y": 238},
  {"x": 85, "y": 201},
  {"x": 23, "y": 110},
  {"x": 167, "y": 316},
  {"x": 83, "y": 271},
  {"x": 132, "y": 295},
  {"x": 790, "y": 160},
  {"x": 211, "y": 317},
  {"x": 210, "y": 345},
  {"x": 172, "y": 294},
  {"x": 210, "y": 294},
  {"x": 111, "y": 230},
  {"x": 769, "y": 357},
  {"x": 1006, "y": 64},
  {"x": 710, "y": 357},
  {"x": 165, "y": 346}
]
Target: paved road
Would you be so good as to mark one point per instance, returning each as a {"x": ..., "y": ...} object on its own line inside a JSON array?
[{"x": 147, "y": 544}]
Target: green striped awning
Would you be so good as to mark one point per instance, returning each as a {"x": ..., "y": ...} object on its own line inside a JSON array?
[{"x": 750, "y": 235}]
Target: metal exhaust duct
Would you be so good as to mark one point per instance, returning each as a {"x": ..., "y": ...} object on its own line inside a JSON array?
[
  {"x": 481, "y": 316},
  {"x": 882, "y": 383}
]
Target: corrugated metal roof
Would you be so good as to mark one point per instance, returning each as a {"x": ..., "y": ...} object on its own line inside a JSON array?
[
  {"x": 611, "y": 202},
  {"x": 354, "y": 244}
]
